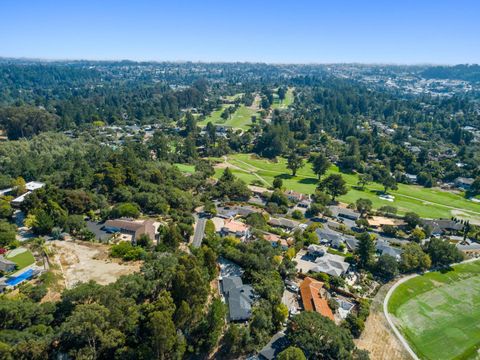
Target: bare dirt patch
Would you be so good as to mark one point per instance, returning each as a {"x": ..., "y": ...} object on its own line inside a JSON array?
[
  {"x": 83, "y": 261},
  {"x": 377, "y": 337}
]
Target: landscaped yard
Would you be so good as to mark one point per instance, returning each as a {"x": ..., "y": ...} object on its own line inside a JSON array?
[
  {"x": 438, "y": 313},
  {"x": 22, "y": 259},
  {"x": 429, "y": 203}
]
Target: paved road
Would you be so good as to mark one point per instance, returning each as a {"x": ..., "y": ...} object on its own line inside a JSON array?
[{"x": 199, "y": 232}]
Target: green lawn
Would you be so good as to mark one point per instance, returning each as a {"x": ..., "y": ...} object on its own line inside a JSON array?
[
  {"x": 186, "y": 168},
  {"x": 23, "y": 259},
  {"x": 429, "y": 203},
  {"x": 286, "y": 102},
  {"x": 438, "y": 313},
  {"x": 241, "y": 119}
]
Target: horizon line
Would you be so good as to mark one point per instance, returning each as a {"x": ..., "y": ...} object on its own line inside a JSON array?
[{"x": 60, "y": 59}]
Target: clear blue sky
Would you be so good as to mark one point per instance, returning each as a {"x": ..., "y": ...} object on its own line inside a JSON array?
[{"x": 380, "y": 31}]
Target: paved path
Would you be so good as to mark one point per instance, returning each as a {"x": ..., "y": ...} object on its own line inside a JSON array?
[{"x": 199, "y": 232}]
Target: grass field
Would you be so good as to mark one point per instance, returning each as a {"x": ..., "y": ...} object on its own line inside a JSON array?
[
  {"x": 429, "y": 203},
  {"x": 241, "y": 119},
  {"x": 186, "y": 168},
  {"x": 438, "y": 313},
  {"x": 286, "y": 102},
  {"x": 23, "y": 259}
]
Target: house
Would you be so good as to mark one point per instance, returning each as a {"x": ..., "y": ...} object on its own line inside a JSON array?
[
  {"x": 133, "y": 229},
  {"x": 284, "y": 223},
  {"x": 276, "y": 240},
  {"x": 344, "y": 213},
  {"x": 312, "y": 299},
  {"x": 383, "y": 248},
  {"x": 276, "y": 345},
  {"x": 469, "y": 248},
  {"x": 316, "y": 250},
  {"x": 441, "y": 227},
  {"x": 295, "y": 196},
  {"x": 7, "y": 265},
  {"x": 259, "y": 191},
  {"x": 235, "y": 228},
  {"x": 351, "y": 242},
  {"x": 239, "y": 298},
  {"x": 463, "y": 183},
  {"x": 328, "y": 236},
  {"x": 30, "y": 187},
  {"x": 331, "y": 264},
  {"x": 411, "y": 179}
]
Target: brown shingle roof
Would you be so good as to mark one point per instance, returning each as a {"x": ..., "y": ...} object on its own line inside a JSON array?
[
  {"x": 311, "y": 298},
  {"x": 135, "y": 227}
]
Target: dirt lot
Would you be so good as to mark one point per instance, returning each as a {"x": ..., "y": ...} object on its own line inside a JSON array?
[
  {"x": 377, "y": 337},
  {"x": 84, "y": 261}
]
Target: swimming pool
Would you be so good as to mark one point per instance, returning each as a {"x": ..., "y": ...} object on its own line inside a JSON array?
[{"x": 15, "y": 280}]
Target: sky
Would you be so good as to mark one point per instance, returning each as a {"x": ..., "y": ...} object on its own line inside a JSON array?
[{"x": 295, "y": 31}]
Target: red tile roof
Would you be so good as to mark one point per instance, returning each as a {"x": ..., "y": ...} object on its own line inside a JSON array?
[{"x": 312, "y": 299}]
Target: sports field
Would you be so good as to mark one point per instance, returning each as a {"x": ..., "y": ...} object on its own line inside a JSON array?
[
  {"x": 439, "y": 313},
  {"x": 428, "y": 203}
]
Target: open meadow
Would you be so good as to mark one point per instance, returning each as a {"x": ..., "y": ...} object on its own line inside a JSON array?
[
  {"x": 438, "y": 313},
  {"x": 428, "y": 203}
]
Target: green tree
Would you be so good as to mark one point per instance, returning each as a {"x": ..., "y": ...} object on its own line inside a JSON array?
[
  {"x": 443, "y": 253},
  {"x": 364, "y": 206},
  {"x": 291, "y": 353},
  {"x": 413, "y": 258},
  {"x": 277, "y": 183},
  {"x": 319, "y": 337},
  {"x": 412, "y": 219},
  {"x": 365, "y": 250},
  {"x": 334, "y": 185},
  {"x": 320, "y": 164},
  {"x": 88, "y": 333},
  {"x": 364, "y": 180},
  {"x": 386, "y": 267},
  {"x": 7, "y": 233},
  {"x": 294, "y": 162},
  {"x": 389, "y": 182}
]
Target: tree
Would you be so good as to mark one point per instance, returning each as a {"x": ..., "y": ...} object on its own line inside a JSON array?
[
  {"x": 389, "y": 182},
  {"x": 413, "y": 258},
  {"x": 320, "y": 164},
  {"x": 19, "y": 185},
  {"x": 365, "y": 250},
  {"x": 319, "y": 337},
  {"x": 417, "y": 235},
  {"x": 281, "y": 93},
  {"x": 6, "y": 210},
  {"x": 277, "y": 183},
  {"x": 443, "y": 253},
  {"x": 386, "y": 267},
  {"x": 294, "y": 162},
  {"x": 291, "y": 353},
  {"x": 334, "y": 185},
  {"x": 131, "y": 210},
  {"x": 364, "y": 180},
  {"x": 43, "y": 224},
  {"x": 88, "y": 333},
  {"x": 364, "y": 206},
  {"x": 170, "y": 236},
  {"x": 8, "y": 233},
  {"x": 412, "y": 219}
]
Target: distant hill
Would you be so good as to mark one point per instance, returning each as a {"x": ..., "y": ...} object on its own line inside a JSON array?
[{"x": 457, "y": 72}]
